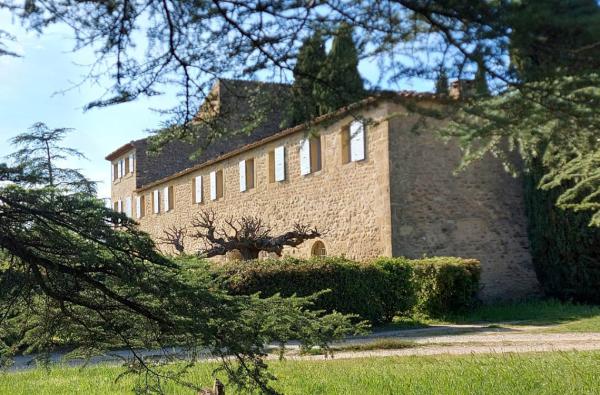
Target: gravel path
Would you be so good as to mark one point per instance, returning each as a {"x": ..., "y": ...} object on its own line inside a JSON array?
[
  {"x": 436, "y": 340},
  {"x": 462, "y": 350},
  {"x": 466, "y": 339}
]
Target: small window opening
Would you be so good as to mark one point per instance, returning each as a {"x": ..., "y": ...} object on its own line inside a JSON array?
[{"x": 318, "y": 249}]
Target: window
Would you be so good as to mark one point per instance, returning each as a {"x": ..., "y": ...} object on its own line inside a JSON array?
[
  {"x": 131, "y": 163},
  {"x": 310, "y": 155},
  {"x": 353, "y": 142},
  {"x": 116, "y": 206},
  {"x": 277, "y": 164},
  {"x": 168, "y": 198},
  {"x": 126, "y": 164},
  {"x": 140, "y": 206},
  {"x": 216, "y": 184},
  {"x": 156, "y": 201},
  {"x": 128, "y": 211},
  {"x": 345, "y": 143},
  {"x": 357, "y": 141},
  {"x": 246, "y": 174},
  {"x": 318, "y": 249},
  {"x": 197, "y": 189},
  {"x": 115, "y": 171},
  {"x": 315, "y": 154}
]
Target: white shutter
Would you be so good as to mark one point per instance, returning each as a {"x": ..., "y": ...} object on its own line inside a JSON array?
[
  {"x": 305, "y": 157},
  {"x": 280, "y": 163},
  {"x": 156, "y": 201},
  {"x": 242, "y": 175},
  {"x": 357, "y": 141},
  {"x": 166, "y": 198},
  {"x": 119, "y": 206},
  {"x": 128, "y": 206},
  {"x": 198, "y": 189},
  {"x": 120, "y": 168},
  {"x": 213, "y": 185},
  {"x": 131, "y": 163},
  {"x": 138, "y": 207}
]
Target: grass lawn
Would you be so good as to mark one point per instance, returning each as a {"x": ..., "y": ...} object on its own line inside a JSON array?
[
  {"x": 543, "y": 373},
  {"x": 558, "y": 316}
]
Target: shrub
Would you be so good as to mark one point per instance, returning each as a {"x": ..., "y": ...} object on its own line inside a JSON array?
[
  {"x": 375, "y": 291},
  {"x": 565, "y": 250},
  {"x": 399, "y": 293},
  {"x": 354, "y": 288},
  {"x": 445, "y": 284}
]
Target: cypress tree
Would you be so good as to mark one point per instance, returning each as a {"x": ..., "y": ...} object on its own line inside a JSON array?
[
  {"x": 480, "y": 82},
  {"x": 565, "y": 250},
  {"x": 303, "y": 105},
  {"x": 339, "y": 80},
  {"x": 441, "y": 84}
]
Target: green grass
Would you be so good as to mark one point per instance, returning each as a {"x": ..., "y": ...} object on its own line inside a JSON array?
[
  {"x": 561, "y": 316},
  {"x": 379, "y": 344},
  {"x": 541, "y": 373},
  {"x": 558, "y": 316}
]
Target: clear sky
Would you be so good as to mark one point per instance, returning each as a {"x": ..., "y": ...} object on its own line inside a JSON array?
[{"x": 29, "y": 93}]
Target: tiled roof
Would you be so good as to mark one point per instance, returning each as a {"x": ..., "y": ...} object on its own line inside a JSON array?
[
  {"x": 233, "y": 147},
  {"x": 239, "y": 103}
]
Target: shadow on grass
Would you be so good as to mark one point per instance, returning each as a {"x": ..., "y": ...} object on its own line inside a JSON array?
[
  {"x": 552, "y": 313},
  {"x": 536, "y": 312}
]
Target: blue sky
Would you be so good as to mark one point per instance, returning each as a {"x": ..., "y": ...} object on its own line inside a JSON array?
[{"x": 28, "y": 94}]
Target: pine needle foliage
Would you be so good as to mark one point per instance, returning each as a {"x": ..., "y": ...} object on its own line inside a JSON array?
[
  {"x": 341, "y": 81},
  {"x": 441, "y": 84},
  {"x": 311, "y": 56},
  {"x": 76, "y": 274}
]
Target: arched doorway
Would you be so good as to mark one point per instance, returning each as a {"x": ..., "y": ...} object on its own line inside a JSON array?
[{"x": 318, "y": 249}]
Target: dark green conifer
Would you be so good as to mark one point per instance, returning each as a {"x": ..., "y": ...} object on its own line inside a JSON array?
[
  {"x": 340, "y": 82},
  {"x": 303, "y": 106},
  {"x": 441, "y": 84}
]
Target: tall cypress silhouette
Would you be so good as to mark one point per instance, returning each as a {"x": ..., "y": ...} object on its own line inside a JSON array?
[
  {"x": 340, "y": 82},
  {"x": 311, "y": 56}
]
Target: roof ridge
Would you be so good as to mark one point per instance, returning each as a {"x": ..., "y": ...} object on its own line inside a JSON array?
[
  {"x": 391, "y": 95},
  {"x": 257, "y": 82}
]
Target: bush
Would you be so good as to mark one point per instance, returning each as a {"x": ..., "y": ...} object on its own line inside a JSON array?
[
  {"x": 565, "y": 250},
  {"x": 355, "y": 288},
  {"x": 445, "y": 284},
  {"x": 375, "y": 291}
]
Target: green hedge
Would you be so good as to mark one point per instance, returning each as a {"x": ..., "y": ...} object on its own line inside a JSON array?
[
  {"x": 564, "y": 248},
  {"x": 375, "y": 291},
  {"x": 445, "y": 285}
]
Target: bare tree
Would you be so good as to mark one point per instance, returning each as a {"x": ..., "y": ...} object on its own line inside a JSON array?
[
  {"x": 249, "y": 235},
  {"x": 174, "y": 236}
]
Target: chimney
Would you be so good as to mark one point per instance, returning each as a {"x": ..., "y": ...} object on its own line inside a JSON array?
[{"x": 461, "y": 89}]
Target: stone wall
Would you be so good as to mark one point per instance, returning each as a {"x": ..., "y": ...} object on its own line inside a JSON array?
[
  {"x": 402, "y": 200},
  {"x": 124, "y": 186},
  {"x": 478, "y": 213},
  {"x": 350, "y": 202}
]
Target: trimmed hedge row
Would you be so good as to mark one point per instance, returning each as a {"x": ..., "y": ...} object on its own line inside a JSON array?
[{"x": 375, "y": 291}]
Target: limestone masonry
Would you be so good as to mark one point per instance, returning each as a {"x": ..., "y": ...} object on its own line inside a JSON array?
[{"x": 378, "y": 185}]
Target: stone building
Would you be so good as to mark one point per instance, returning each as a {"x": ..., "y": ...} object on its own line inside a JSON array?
[{"x": 373, "y": 175}]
